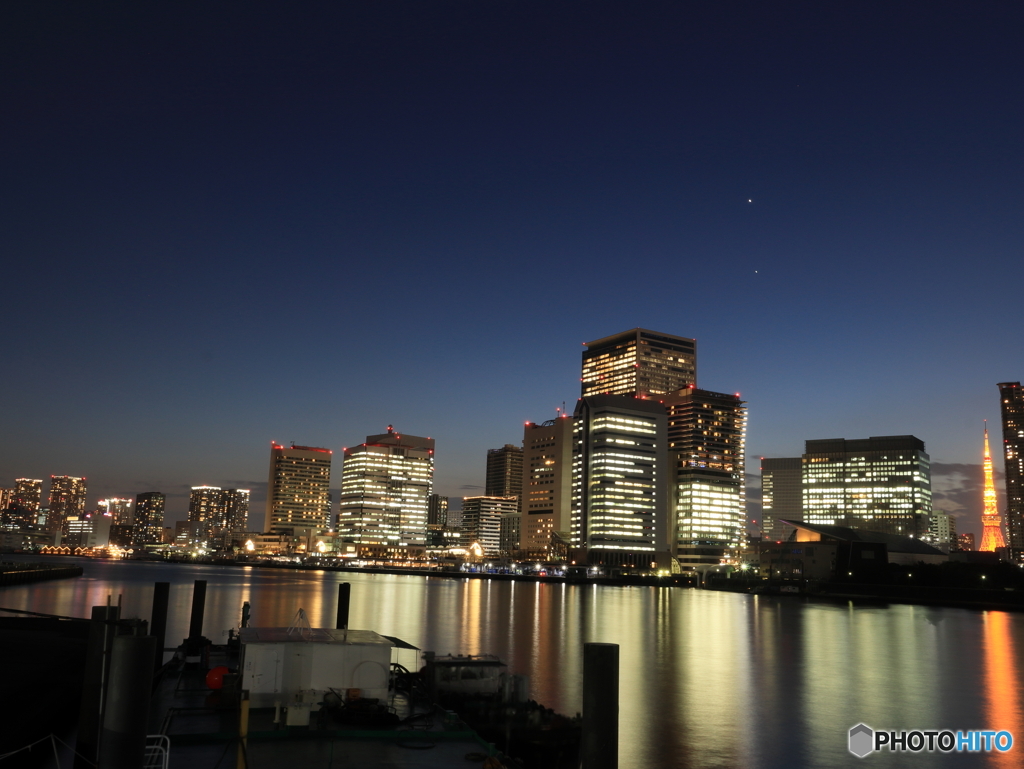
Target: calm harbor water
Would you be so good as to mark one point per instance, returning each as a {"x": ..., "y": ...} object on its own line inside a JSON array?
[{"x": 707, "y": 679}]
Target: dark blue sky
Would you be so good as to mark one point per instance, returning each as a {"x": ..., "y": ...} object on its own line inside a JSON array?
[{"x": 234, "y": 223}]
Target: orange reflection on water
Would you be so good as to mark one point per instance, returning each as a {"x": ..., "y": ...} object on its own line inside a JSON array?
[{"x": 1002, "y": 685}]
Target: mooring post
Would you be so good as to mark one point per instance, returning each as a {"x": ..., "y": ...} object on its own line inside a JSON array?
[
  {"x": 158, "y": 624},
  {"x": 344, "y": 596},
  {"x": 195, "y": 625},
  {"x": 90, "y": 712},
  {"x": 243, "y": 731},
  {"x": 126, "y": 720},
  {"x": 599, "y": 747}
]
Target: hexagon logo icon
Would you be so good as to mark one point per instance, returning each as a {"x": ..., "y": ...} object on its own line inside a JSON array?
[{"x": 862, "y": 740}]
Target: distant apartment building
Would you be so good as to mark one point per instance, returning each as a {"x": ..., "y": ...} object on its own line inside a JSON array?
[
  {"x": 966, "y": 541},
  {"x": 1011, "y": 397},
  {"x": 638, "y": 362},
  {"x": 781, "y": 494},
  {"x": 148, "y": 526},
  {"x": 67, "y": 500},
  {"x": 707, "y": 460},
  {"x": 620, "y": 481},
  {"x": 386, "y": 484},
  {"x": 236, "y": 510},
  {"x": 942, "y": 531},
  {"x": 482, "y": 522},
  {"x": 206, "y": 510},
  {"x": 880, "y": 483},
  {"x": 547, "y": 485},
  {"x": 27, "y": 500},
  {"x": 120, "y": 510},
  {"x": 298, "y": 489}
]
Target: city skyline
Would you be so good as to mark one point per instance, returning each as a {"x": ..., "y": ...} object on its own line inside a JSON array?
[{"x": 826, "y": 198}]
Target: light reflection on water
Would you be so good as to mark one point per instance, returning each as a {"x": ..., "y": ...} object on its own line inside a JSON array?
[{"x": 707, "y": 679}]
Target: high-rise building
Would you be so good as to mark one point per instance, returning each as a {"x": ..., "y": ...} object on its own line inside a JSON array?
[
  {"x": 1011, "y": 396},
  {"x": 386, "y": 485},
  {"x": 67, "y": 499},
  {"x": 881, "y": 484},
  {"x": 706, "y": 450},
  {"x": 781, "y": 494},
  {"x": 546, "y": 503},
  {"x": 206, "y": 509},
  {"x": 942, "y": 531},
  {"x": 298, "y": 490},
  {"x": 620, "y": 481},
  {"x": 120, "y": 510},
  {"x": 966, "y": 541},
  {"x": 639, "y": 362},
  {"x": 28, "y": 497},
  {"x": 437, "y": 520},
  {"x": 147, "y": 528},
  {"x": 235, "y": 503},
  {"x": 481, "y": 522},
  {"x": 504, "y": 471},
  {"x": 992, "y": 522}
]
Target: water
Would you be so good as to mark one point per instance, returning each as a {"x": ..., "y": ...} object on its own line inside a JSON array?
[{"x": 707, "y": 679}]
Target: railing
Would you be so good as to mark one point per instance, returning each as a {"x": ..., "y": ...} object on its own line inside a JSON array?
[{"x": 158, "y": 751}]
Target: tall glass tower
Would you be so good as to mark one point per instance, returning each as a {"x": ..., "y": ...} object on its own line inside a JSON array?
[{"x": 1011, "y": 397}]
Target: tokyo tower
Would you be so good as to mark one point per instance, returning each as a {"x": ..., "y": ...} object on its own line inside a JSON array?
[{"x": 992, "y": 533}]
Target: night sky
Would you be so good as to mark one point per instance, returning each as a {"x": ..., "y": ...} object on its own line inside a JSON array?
[{"x": 231, "y": 223}]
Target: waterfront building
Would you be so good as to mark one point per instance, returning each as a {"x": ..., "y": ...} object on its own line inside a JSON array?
[
  {"x": 67, "y": 499},
  {"x": 881, "y": 484},
  {"x": 638, "y": 362},
  {"x": 547, "y": 485},
  {"x": 147, "y": 528},
  {"x": 6, "y": 500},
  {"x": 511, "y": 534},
  {"x": 504, "y": 471},
  {"x": 481, "y": 522},
  {"x": 206, "y": 510},
  {"x": 620, "y": 481},
  {"x": 437, "y": 521},
  {"x": 89, "y": 530},
  {"x": 781, "y": 494},
  {"x": 992, "y": 523},
  {"x": 298, "y": 489},
  {"x": 28, "y": 499},
  {"x": 120, "y": 509},
  {"x": 1011, "y": 397},
  {"x": 706, "y": 452},
  {"x": 235, "y": 504},
  {"x": 386, "y": 485}
]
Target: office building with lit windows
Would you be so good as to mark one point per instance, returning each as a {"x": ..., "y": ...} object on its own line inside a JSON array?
[
  {"x": 67, "y": 499},
  {"x": 1011, "y": 397},
  {"x": 386, "y": 484},
  {"x": 782, "y": 497},
  {"x": 547, "y": 485},
  {"x": 298, "y": 489},
  {"x": 119, "y": 509},
  {"x": 620, "y": 480},
  {"x": 147, "y": 528},
  {"x": 706, "y": 450},
  {"x": 880, "y": 484},
  {"x": 482, "y": 519},
  {"x": 638, "y": 362}
]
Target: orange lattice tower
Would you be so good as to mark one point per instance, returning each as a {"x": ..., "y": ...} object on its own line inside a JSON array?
[{"x": 992, "y": 533}]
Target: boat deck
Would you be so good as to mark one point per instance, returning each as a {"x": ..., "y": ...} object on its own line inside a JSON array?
[{"x": 202, "y": 726}]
